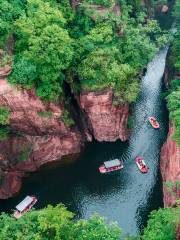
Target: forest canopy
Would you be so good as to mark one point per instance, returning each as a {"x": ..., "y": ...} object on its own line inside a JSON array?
[
  {"x": 57, "y": 223},
  {"x": 174, "y": 96},
  {"x": 53, "y": 41}
]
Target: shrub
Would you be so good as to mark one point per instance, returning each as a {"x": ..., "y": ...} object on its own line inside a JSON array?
[
  {"x": 24, "y": 154},
  {"x": 47, "y": 114},
  {"x": 4, "y": 133},
  {"x": 105, "y": 3},
  {"x": 4, "y": 115},
  {"x": 24, "y": 72},
  {"x": 5, "y": 59},
  {"x": 65, "y": 117}
]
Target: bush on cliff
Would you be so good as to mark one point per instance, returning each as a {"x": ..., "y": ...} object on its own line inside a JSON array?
[
  {"x": 4, "y": 115},
  {"x": 105, "y": 3},
  {"x": 56, "y": 223},
  {"x": 4, "y": 133}
]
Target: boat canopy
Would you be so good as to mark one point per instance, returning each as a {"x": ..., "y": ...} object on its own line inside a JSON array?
[
  {"x": 112, "y": 163},
  {"x": 25, "y": 203}
]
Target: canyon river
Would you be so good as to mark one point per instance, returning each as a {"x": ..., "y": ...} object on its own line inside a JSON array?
[{"x": 126, "y": 196}]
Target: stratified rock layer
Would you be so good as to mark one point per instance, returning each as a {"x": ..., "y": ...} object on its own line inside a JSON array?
[
  {"x": 27, "y": 109},
  {"x": 41, "y": 138},
  {"x": 170, "y": 168},
  {"x": 37, "y": 150},
  {"x": 105, "y": 121}
]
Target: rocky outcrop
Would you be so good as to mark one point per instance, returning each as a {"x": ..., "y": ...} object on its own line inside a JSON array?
[
  {"x": 24, "y": 154},
  {"x": 105, "y": 121},
  {"x": 41, "y": 136},
  {"x": 170, "y": 169},
  {"x": 29, "y": 114}
]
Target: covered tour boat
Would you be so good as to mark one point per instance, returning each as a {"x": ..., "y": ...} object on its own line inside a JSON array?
[
  {"x": 141, "y": 165},
  {"x": 110, "y": 166},
  {"x": 154, "y": 122},
  {"x": 24, "y": 206}
]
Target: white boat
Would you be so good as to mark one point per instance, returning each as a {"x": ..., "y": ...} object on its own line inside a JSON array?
[
  {"x": 24, "y": 206},
  {"x": 110, "y": 166}
]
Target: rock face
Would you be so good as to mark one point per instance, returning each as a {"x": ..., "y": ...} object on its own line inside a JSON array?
[
  {"x": 22, "y": 155},
  {"x": 27, "y": 109},
  {"x": 105, "y": 121},
  {"x": 41, "y": 139},
  {"x": 170, "y": 168}
]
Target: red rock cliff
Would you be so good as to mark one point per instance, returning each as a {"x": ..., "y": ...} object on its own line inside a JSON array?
[
  {"x": 26, "y": 109},
  {"x": 46, "y": 139},
  {"x": 43, "y": 140},
  {"x": 170, "y": 168},
  {"x": 105, "y": 121}
]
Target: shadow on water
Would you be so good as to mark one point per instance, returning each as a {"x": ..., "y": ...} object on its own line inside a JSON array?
[{"x": 126, "y": 196}]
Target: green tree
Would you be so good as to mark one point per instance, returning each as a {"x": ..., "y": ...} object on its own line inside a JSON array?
[
  {"x": 46, "y": 45},
  {"x": 95, "y": 228},
  {"x": 55, "y": 223},
  {"x": 4, "y": 115},
  {"x": 24, "y": 72},
  {"x": 9, "y": 11},
  {"x": 162, "y": 224},
  {"x": 174, "y": 107}
]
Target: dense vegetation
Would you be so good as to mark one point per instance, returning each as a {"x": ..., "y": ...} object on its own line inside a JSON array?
[
  {"x": 174, "y": 97},
  {"x": 90, "y": 49},
  {"x": 57, "y": 223},
  {"x": 162, "y": 224}
]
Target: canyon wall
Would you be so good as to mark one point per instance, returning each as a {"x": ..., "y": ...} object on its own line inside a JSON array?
[
  {"x": 35, "y": 139},
  {"x": 39, "y": 135},
  {"x": 170, "y": 169},
  {"x": 105, "y": 121}
]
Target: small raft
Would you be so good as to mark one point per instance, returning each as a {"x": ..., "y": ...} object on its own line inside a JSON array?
[
  {"x": 141, "y": 165},
  {"x": 24, "y": 206},
  {"x": 111, "y": 166},
  {"x": 154, "y": 122}
]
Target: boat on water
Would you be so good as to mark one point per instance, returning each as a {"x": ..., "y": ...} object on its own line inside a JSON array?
[
  {"x": 24, "y": 206},
  {"x": 154, "y": 122},
  {"x": 141, "y": 165},
  {"x": 110, "y": 166}
]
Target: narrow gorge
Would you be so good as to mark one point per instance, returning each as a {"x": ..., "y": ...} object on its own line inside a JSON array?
[{"x": 78, "y": 83}]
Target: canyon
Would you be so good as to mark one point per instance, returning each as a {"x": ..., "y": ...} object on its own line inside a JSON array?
[{"x": 38, "y": 139}]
